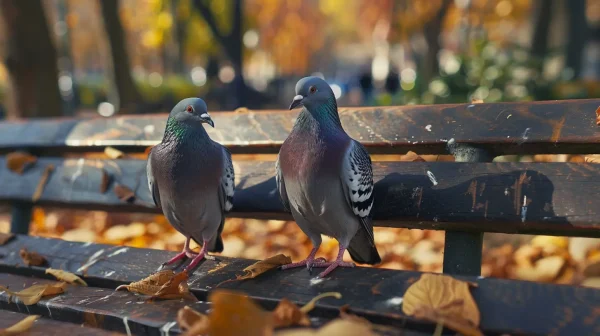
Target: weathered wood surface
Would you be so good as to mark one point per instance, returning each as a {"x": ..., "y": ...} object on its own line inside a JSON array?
[
  {"x": 48, "y": 327},
  {"x": 506, "y": 306},
  {"x": 547, "y": 198},
  {"x": 567, "y": 126}
]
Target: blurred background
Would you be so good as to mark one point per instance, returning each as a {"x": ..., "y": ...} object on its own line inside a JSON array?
[{"x": 110, "y": 57}]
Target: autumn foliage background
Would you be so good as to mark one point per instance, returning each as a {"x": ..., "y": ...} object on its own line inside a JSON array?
[{"x": 141, "y": 56}]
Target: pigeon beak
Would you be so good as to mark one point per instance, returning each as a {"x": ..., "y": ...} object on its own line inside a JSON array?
[
  {"x": 206, "y": 118},
  {"x": 296, "y": 102}
]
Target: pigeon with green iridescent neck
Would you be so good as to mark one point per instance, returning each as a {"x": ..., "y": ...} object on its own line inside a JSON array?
[
  {"x": 191, "y": 179},
  {"x": 325, "y": 179}
]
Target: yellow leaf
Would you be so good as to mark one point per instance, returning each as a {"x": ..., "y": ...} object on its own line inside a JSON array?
[
  {"x": 5, "y": 238},
  {"x": 545, "y": 241},
  {"x": 113, "y": 153},
  {"x": 336, "y": 327},
  {"x": 591, "y": 282},
  {"x": 31, "y": 295},
  {"x": 175, "y": 288},
  {"x": 190, "y": 319},
  {"x": 545, "y": 269},
  {"x": 31, "y": 258},
  {"x": 443, "y": 299},
  {"x": 19, "y": 161},
  {"x": 262, "y": 266},
  {"x": 21, "y": 326},
  {"x": 39, "y": 190},
  {"x": 66, "y": 276},
  {"x": 236, "y": 314}
]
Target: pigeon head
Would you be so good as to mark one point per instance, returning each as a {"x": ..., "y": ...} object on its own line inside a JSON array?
[
  {"x": 312, "y": 92},
  {"x": 192, "y": 111}
]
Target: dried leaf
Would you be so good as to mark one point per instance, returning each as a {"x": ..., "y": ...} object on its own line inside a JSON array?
[
  {"x": 440, "y": 299},
  {"x": 190, "y": 319},
  {"x": 412, "y": 156},
  {"x": 113, "y": 153},
  {"x": 66, "y": 276},
  {"x": 236, "y": 314},
  {"x": 148, "y": 150},
  {"x": 5, "y": 238},
  {"x": 105, "y": 181},
  {"x": 592, "y": 269},
  {"x": 124, "y": 193},
  {"x": 287, "y": 314},
  {"x": 149, "y": 285},
  {"x": 39, "y": 190},
  {"x": 175, "y": 288},
  {"x": 591, "y": 159},
  {"x": 476, "y": 101},
  {"x": 162, "y": 285},
  {"x": 31, "y": 295},
  {"x": 335, "y": 327},
  {"x": 19, "y": 161},
  {"x": 31, "y": 258},
  {"x": 262, "y": 266},
  {"x": 598, "y": 116},
  {"x": 591, "y": 282},
  {"x": 20, "y": 327}
]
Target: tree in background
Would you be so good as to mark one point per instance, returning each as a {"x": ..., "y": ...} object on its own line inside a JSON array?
[
  {"x": 127, "y": 92},
  {"x": 30, "y": 57}
]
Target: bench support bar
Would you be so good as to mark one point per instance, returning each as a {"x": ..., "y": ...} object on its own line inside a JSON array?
[{"x": 20, "y": 217}]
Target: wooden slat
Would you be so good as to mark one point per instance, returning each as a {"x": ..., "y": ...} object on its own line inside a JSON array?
[
  {"x": 506, "y": 306},
  {"x": 561, "y": 198},
  {"x": 48, "y": 327},
  {"x": 502, "y": 128}
]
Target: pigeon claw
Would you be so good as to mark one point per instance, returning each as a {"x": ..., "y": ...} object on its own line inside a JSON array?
[{"x": 331, "y": 266}]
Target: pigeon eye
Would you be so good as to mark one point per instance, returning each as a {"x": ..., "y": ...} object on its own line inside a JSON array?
[
  {"x": 189, "y": 109},
  {"x": 312, "y": 89}
]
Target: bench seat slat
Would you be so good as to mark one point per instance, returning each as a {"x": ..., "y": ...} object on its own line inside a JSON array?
[
  {"x": 542, "y": 198},
  {"x": 48, "y": 327},
  {"x": 506, "y": 306},
  {"x": 558, "y": 127}
]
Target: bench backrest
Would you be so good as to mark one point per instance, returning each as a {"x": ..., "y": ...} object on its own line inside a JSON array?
[{"x": 465, "y": 199}]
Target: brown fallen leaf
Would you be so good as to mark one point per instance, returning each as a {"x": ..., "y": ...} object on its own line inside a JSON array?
[
  {"x": 476, "y": 101},
  {"x": 261, "y": 267},
  {"x": 287, "y": 314},
  {"x": 175, "y": 288},
  {"x": 20, "y": 327},
  {"x": 236, "y": 314},
  {"x": 31, "y": 295},
  {"x": 113, "y": 153},
  {"x": 598, "y": 116},
  {"x": 66, "y": 276},
  {"x": 19, "y": 161},
  {"x": 189, "y": 318},
  {"x": 335, "y": 327},
  {"x": 545, "y": 269},
  {"x": 162, "y": 285},
  {"x": 148, "y": 150},
  {"x": 591, "y": 282},
  {"x": 105, "y": 181},
  {"x": 39, "y": 190},
  {"x": 31, "y": 258},
  {"x": 412, "y": 156},
  {"x": 440, "y": 299},
  {"x": 124, "y": 193},
  {"x": 5, "y": 238}
]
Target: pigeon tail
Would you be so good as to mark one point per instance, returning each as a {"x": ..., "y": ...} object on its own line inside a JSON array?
[{"x": 362, "y": 250}]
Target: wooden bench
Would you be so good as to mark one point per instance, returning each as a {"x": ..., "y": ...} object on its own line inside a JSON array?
[{"x": 464, "y": 198}]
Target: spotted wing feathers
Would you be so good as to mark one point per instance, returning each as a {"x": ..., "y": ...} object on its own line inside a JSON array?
[{"x": 227, "y": 181}]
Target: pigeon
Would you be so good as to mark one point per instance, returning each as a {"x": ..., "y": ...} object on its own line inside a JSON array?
[
  {"x": 325, "y": 179},
  {"x": 191, "y": 179}
]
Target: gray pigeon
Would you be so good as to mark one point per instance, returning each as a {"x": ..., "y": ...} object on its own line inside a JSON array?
[
  {"x": 191, "y": 179},
  {"x": 325, "y": 179}
]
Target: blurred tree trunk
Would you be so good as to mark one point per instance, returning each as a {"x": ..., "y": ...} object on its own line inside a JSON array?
[
  {"x": 432, "y": 32},
  {"x": 30, "y": 57},
  {"x": 128, "y": 93},
  {"x": 577, "y": 35},
  {"x": 231, "y": 44},
  {"x": 539, "y": 42}
]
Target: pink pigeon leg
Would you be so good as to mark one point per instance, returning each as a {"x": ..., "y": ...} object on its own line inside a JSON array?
[
  {"x": 308, "y": 262},
  {"x": 182, "y": 255},
  {"x": 197, "y": 259},
  {"x": 188, "y": 251},
  {"x": 333, "y": 265}
]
